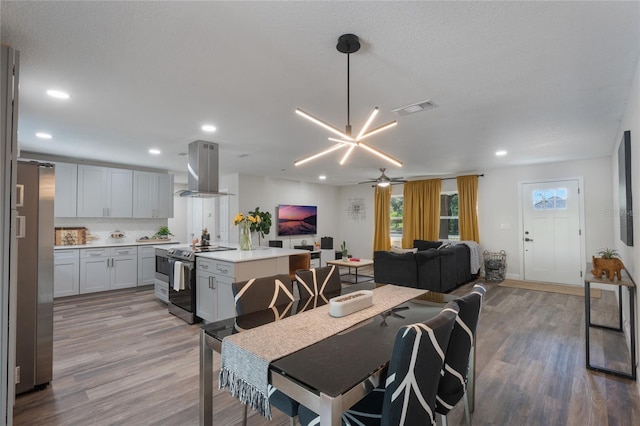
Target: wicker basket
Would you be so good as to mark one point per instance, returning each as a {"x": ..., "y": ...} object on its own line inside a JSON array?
[{"x": 495, "y": 265}]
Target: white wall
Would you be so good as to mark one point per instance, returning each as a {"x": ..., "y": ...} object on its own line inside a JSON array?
[
  {"x": 178, "y": 223},
  {"x": 498, "y": 215},
  {"x": 629, "y": 255},
  {"x": 267, "y": 193},
  {"x": 355, "y": 227}
]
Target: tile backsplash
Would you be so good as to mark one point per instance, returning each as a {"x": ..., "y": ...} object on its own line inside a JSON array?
[{"x": 102, "y": 228}]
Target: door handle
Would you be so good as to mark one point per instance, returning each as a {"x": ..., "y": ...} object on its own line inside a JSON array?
[
  {"x": 19, "y": 195},
  {"x": 20, "y": 226},
  {"x": 528, "y": 239}
]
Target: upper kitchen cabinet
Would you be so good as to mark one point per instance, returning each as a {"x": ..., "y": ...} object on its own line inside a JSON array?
[
  {"x": 66, "y": 190},
  {"x": 104, "y": 192},
  {"x": 152, "y": 195}
]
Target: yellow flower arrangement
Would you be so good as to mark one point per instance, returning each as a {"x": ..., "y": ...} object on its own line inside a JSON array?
[{"x": 248, "y": 218}]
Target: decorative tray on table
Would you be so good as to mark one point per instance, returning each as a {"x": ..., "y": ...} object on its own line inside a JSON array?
[{"x": 346, "y": 304}]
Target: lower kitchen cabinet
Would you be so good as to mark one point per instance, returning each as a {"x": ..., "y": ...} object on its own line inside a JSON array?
[
  {"x": 146, "y": 265},
  {"x": 108, "y": 268},
  {"x": 206, "y": 296},
  {"x": 66, "y": 273}
]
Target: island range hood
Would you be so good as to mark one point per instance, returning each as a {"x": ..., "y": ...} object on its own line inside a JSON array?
[{"x": 202, "y": 171}]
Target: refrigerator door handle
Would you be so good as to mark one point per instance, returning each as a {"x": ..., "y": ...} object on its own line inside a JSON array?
[
  {"x": 20, "y": 226},
  {"x": 19, "y": 195}
]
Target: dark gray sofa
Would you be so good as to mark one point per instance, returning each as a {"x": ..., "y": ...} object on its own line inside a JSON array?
[{"x": 430, "y": 268}]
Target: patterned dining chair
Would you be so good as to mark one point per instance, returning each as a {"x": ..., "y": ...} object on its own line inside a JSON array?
[
  {"x": 453, "y": 383},
  {"x": 257, "y": 294},
  {"x": 409, "y": 395},
  {"x": 318, "y": 281}
]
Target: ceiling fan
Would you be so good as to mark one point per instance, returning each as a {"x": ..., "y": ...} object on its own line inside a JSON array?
[{"x": 385, "y": 180}]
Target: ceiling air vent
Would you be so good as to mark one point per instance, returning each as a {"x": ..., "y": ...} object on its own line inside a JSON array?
[{"x": 413, "y": 108}]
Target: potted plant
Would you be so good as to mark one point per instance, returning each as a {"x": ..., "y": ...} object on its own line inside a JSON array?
[
  {"x": 607, "y": 253},
  {"x": 263, "y": 225},
  {"x": 163, "y": 233},
  {"x": 343, "y": 248},
  {"x": 608, "y": 263}
]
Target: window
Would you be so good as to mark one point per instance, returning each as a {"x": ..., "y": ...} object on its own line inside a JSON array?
[
  {"x": 449, "y": 216},
  {"x": 397, "y": 209},
  {"x": 550, "y": 199}
]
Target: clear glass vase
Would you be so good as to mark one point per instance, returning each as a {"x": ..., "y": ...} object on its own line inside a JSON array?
[{"x": 245, "y": 236}]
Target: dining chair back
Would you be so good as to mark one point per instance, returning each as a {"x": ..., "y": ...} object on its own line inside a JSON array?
[
  {"x": 453, "y": 383},
  {"x": 317, "y": 281},
  {"x": 409, "y": 394},
  {"x": 258, "y": 294}
]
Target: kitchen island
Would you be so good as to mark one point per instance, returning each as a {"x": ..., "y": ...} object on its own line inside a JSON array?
[{"x": 215, "y": 272}]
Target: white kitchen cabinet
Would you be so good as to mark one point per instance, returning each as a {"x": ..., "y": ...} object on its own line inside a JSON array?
[
  {"x": 65, "y": 202},
  {"x": 152, "y": 195},
  {"x": 224, "y": 299},
  {"x": 124, "y": 267},
  {"x": 66, "y": 273},
  {"x": 146, "y": 265},
  {"x": 108, "y": 268},
  {"x": 104, "y": 192},
  {"x": 206, "y": 296}
]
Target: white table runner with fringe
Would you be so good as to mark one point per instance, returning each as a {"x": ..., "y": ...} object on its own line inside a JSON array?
[{"x": 246, "y": 356}]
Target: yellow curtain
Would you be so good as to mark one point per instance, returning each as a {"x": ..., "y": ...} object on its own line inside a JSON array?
[
  {"x": 468, "y": 208},
  {"x": 382, "y": 220},
  {"x": 421, "y": 214}
]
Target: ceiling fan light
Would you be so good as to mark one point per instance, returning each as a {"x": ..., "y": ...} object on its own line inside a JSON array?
[
  {"x": 378, "y": 129},
  {"x": 366, "y": 125},
  {"x": 384, "y": 183},
  {"x": 319, "y": 154},
  {"x": 380, "y": 154},
  {"x": 323, "y": 124}
]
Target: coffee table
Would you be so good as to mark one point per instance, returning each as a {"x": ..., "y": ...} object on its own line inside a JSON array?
[{"x": 349, "y": 277}]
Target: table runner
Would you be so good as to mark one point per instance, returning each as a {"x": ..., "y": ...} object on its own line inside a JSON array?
[{"x": 246, "y": 356}]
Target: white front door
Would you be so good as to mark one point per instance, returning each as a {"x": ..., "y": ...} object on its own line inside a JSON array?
[{"x": 551, "y": 231}]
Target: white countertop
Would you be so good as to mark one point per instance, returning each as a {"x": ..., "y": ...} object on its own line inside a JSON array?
[
  {"x": 101, "y": 244},
  {"x": 236, "y": 256}
]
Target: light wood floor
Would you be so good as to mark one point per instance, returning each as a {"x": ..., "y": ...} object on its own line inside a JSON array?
[{"x": 121, "y": 359}]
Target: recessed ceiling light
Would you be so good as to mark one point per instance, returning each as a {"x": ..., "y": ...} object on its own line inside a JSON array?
[
  {"x": 58, "y": 94},
  {"x": 322, "y": 177},
  {"x": 43, "y": 135},
  {"x": 208, "y": 128},
  {"x": 501, "y": 153},
  {"x": 154, "y": 151}
]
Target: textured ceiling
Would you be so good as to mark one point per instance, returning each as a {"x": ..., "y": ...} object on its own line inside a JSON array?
[{"x": 546, "y": 81}]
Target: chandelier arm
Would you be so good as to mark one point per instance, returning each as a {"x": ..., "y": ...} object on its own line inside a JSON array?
[
  {"x": 380, "y": 154},
  {"x": 379, "y": 129},
  {"x": 323, "y": 124},
  {"x": 343, "y": 141},
  {"x": 319, "y": 154},
  {"x": 366, "y": 125},
  {"x": 346, "y": 154}
]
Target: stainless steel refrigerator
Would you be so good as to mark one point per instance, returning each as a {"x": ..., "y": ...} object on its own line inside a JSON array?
[{"x": 34, "y": 313}]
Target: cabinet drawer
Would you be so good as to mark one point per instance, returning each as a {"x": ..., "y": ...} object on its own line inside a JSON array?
[
  {"x": 146, "y": 251},
  {"x": 97, "y": 252},
  {"x": 215, "y": 267},
  {"x": 66, "y": 255},
  {"x": 124, "y": 251}
]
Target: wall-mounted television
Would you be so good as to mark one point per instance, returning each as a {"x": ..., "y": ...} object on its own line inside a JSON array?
[{"x": 297, "y": 220}]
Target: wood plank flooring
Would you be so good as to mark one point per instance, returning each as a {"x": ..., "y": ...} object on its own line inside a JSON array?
[{"x": 122, "y": 359}]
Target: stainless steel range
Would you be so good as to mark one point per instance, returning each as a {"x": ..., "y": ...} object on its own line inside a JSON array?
[{"x": 182, "y": 280}]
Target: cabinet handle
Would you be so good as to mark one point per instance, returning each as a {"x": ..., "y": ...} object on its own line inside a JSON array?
[
  {"x": 95, "y": 254},
  {"x": 223, "y": 270},
  {"x": 203, "y": 266},
  {"x": 19, "y": 195},
  {"x": 20, "y": 226}
]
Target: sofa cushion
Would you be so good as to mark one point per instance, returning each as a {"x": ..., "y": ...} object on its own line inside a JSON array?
[
  {"x": 426, "y": 245},
  {"x": 396, "y": 249},
  {"x": 428, "y": 263},
  {"x": 395, "y": 268}
]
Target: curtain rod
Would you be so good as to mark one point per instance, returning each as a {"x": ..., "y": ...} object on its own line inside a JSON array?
[{"x": 482, "y": 175}]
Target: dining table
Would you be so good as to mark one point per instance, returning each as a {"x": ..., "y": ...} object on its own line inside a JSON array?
[{"x": 332, "y": 374}]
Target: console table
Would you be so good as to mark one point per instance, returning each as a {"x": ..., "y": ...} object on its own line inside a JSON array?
[{"x": 625, "y": 282}]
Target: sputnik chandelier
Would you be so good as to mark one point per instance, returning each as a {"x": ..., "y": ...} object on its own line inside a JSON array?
[{"x": 349, "y": 43}]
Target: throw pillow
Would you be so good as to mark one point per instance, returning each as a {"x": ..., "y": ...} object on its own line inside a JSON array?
[
  {"x": 445, "y": 245},
  {"x": 396, "y": 249}
]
